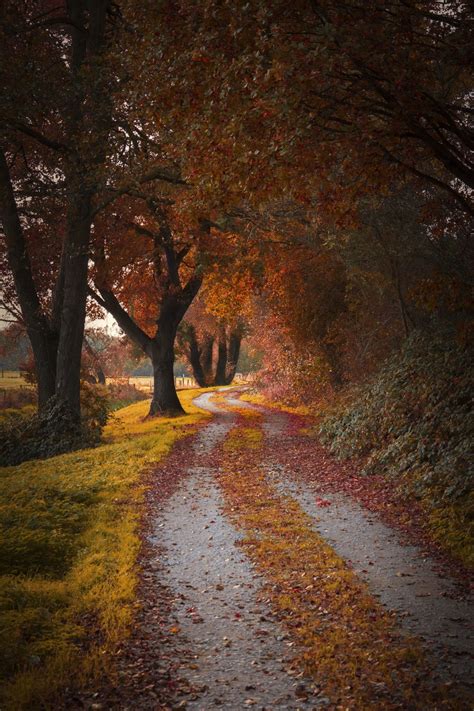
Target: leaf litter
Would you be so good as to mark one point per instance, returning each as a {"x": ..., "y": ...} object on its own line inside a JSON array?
[{"x": 269, "y": 616}]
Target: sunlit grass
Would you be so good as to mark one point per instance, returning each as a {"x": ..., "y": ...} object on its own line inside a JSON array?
[
  {"x": 258, "y": 398},
  {"x": 11, "y": 414},
  {"x": 69, "y": 529}
]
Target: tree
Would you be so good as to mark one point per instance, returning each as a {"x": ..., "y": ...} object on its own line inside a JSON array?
[
  {"x": 200, "y": 351},
  {"x": 284, "y": 128},
  {"x": 73, "y": 137},
  {"x": 150, "y": 249},
  {"x": 215, "y": 325},
  {"x": 386, "y": 89},
  {"x": 322, "y": 99}
]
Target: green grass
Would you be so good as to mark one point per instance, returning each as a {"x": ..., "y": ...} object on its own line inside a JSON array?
[{"x": 67, "y": 561}]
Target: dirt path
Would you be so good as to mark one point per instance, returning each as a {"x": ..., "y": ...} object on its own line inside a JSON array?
[
  {"x": 400, "y": 575},
  {"x": 210, "y": 635},
  {"x": 241, "y": 654}
]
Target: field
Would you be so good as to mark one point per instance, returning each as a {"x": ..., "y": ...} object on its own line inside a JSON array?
[
  {"x": 12, "y": 379},
  {"x": 145, "y": 382},
  {"x": 15, "y": 392}
]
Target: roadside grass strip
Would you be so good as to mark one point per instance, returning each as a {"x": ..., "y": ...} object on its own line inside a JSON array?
[
  {"x": 70, "y": 539},
  {"x": 344, "y": 638},
  {"x": 258, "y": 398},
  {"x": 220, "y": 398}
]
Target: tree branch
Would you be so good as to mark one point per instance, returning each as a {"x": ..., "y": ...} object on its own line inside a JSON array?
[
  {"x": 150, "y": 176},
  {"x": 40, "y": 137},
  {"x": 17, "y": 253},
  {"x": 110, "y": 303},
  {"x": 426, "y": 176}
]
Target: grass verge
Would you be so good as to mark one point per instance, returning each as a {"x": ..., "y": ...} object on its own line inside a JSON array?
[
  {"x": 69, "y": 528},
  {"x": 258, "y": 398}
]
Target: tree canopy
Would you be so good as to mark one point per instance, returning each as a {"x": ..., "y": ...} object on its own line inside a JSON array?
[{"x": 305, "y": 167}]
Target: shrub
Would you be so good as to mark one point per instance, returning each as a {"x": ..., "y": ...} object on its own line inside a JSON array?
[
  {"x": 414, "y": 421},
  {"x": 17, "y": 397},
  {"x": 53, "y": 431},
  {"x": 95, "y": 408},
  {"x": 10, "y": 415}
]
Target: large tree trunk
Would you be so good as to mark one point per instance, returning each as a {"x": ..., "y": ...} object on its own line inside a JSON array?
[
  {"x": 68, "y": 371},
  {"x": 91, "y": 98},
  {"x": 200, "y": 357},
  {"x": 160, "y": 348},
  {"x": 194, "y": 354},
  {"x": 165, "y": 398},
  {"x": 172, "y": 310},
  {"x": 233, "y": 354},
  {"x": 43, "y": 338},
  {"x": 45, "y": 354},
  {"x": 221, "y": 366},
  {"x": 206, "y": 357}
]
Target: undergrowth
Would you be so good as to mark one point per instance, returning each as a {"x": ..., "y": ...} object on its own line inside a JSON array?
[
  {"x": 53, "y": 431},
  {"x": 414, "y": 422},
  {"x": 69, "y": 528},
  {"x": 123, "y": 394}
]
